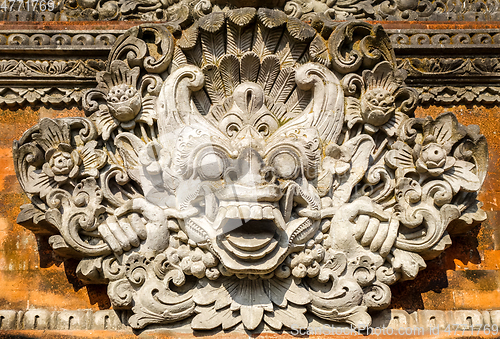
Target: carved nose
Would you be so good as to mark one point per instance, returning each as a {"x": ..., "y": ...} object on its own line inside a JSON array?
[
  {"x": 250, "y": 163},
  {"x": 249, "y": 137}
]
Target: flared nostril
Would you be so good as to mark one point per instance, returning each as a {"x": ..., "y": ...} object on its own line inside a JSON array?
[
  {"x": 231, "y": 175},
  {"x": 269, "y": 174}
]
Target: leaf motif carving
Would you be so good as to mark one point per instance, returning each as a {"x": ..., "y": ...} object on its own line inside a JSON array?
[
  {"x": 230, "y": 69},
  {"x": 250, "y": 65},
  {"x": 239, "y": 39},
  {"x": 266, "y": 41},
  {"x": 460, "y": 176},
  {"x": 283, "y": 85},
  {"x": 214, "y": 84},
  {"x": 268, "y": 73}
]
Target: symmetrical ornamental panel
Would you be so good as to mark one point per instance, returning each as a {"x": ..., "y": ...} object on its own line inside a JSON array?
[
  {"x": 182, "y": 11},
  {"x": 245, "y": 170}
]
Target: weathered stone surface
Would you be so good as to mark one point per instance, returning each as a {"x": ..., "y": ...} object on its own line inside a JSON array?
[
  {"x": 445, "y": 65},
  {"x": 247, "y": 172},
  {"x": 180, "y": 11}
]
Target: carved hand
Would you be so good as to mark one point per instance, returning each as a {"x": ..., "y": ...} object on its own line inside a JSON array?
[
  {"x": 366, "y": 222},
  {"x": 126, "y": 228}
]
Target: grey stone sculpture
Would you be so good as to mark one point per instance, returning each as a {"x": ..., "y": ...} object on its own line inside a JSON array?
[{"x": 245, "y": 170}]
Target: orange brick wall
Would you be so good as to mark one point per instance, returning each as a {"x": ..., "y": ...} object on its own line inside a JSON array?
[
  {"x": 28, "y": 279},
  {"x": 466, "y": 276}
]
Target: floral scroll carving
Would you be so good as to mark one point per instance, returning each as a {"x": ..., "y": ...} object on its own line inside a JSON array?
[{"x": 245, "y": 171}]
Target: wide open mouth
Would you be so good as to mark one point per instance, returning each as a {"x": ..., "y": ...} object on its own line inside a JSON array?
[
  {"x": 250, "y": 236},
  {"x": 250, "y": 240}
]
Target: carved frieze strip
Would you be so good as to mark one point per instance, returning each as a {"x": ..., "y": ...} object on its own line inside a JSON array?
[
  {"x": 181, "y": 10},
  {"x": 421, "y": 69},
  {"x": 11, "y": 96},
  {"x": 413, "y": 41},
  {"x": 92, "y": 42},
  {"x": 72, "y": 70},
  {"x": 42, "y": 319},
  {"x": 443, "y": 42},
  {"x": 447, "y": 95}
]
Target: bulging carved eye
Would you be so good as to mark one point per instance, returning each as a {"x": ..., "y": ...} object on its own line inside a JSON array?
[
  {"x": 263, "y": 129},
  {"x": 211, "y": 165},
  {"x": 232, "y": 129},
  {"x": 286, "y": 163}
]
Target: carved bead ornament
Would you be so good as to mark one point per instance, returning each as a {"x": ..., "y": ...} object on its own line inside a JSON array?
[{"x": 246, "y": 171}]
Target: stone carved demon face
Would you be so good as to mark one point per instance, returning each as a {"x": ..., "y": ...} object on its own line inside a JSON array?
[
  {"x": 244, "y": 173},
  {"x": 253, "y": 179},
  {"x": 245, "y": 182}
]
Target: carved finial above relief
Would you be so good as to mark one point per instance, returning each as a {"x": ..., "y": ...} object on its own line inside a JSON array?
[{"x": 245, "y": 171}]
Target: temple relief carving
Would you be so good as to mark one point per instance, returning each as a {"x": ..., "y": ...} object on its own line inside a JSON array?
[
  {"x": 244, "y": 170},
  {"x": 183, "y": 11}
]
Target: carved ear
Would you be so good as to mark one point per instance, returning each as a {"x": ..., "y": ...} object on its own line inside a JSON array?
[
  {"x": 326, "y": 110},
  {"x": 129, "y": 147},
  {"x": 359, "y": 149},
  {"x": 174, "y": 103}
]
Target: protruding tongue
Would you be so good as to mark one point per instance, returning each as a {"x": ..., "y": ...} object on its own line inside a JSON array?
[{"x": 252, "y": 235}]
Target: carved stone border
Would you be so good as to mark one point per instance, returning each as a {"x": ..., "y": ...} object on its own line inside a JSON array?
[
  {"x": 42, "y": 319},
  {"x": 450, "y": 66},
  {"x": 446, "y": 66}
]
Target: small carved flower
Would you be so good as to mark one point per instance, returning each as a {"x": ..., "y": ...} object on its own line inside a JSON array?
[
  {"x": 434, "y": 160},
  {"x": 121, "y": 101},
  {"x": 432, "y": 157},
  {"x": 124, "y": 101},
  {"x": 378, "y": 98},
  {"x": 63, "y": 163},
  {"x": 377, "y": 106}
]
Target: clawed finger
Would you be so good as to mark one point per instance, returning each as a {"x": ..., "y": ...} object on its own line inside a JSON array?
[
  {"x": 371, "y": 231},
  {"x": 390, "y": 238},
  {"x": 138, "y": 225},
  {"x": 118, "y": 232},
  {"x": 124, "y": 209},
  {"x": 309, "y": 213},
  {"x": 367, "y": 207},
  {"x": 361, "y": 225},
  {"x": 108, "y": 237}
]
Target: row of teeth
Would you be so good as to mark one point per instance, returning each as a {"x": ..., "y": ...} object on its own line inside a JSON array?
[{"x": 248, "y": 211}]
